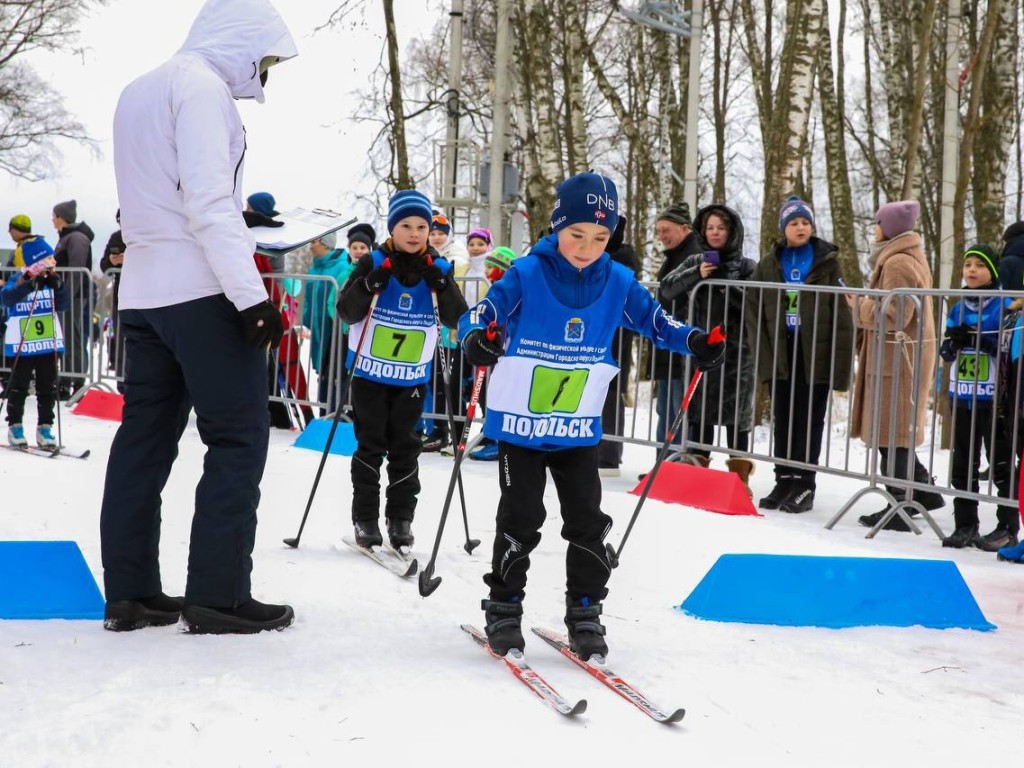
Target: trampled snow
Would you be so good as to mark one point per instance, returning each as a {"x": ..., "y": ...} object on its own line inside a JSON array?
[{"x": 373, "y": 671}]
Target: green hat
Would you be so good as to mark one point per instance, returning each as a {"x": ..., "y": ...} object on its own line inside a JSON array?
[
  {"x": 22, "y": 223},
  {"x": 988, "y": 255},
  {"x": 501, "y": 258}
]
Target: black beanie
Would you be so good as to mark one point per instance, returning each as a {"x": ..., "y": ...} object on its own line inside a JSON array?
[
  {"x": 366, "y": 229},
  {"x": 67, "y": 210}
]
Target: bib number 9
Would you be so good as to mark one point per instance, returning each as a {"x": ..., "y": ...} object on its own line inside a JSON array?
[
  {"x": 399, "y": 345},
  {"x": 37, "y": 328}
]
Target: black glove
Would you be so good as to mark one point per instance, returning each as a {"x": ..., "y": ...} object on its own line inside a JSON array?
[
  {"x": 960, "y": 336},
  {"x": 434, "y": 279},
  {"x": 481, "y": 351},
  {"x": 51, "y": 280},
  {"x": 708, "y": 356},
  {"x": 377, "y": 280},
  {"x": 257, "y": 219},
  {"x": 263, "y": 325}
]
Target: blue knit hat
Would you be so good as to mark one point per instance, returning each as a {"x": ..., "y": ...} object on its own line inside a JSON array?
[
  {"x": 34, "y": 250},
  {"x": 262, "y": 202},
  {"x": 794, "y": 208},
  {"x": 586, "y": 198},
  {"x": 408, "y": 202}
]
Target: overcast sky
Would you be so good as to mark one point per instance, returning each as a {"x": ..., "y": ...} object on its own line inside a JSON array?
[{"x": 302, "y": 145}]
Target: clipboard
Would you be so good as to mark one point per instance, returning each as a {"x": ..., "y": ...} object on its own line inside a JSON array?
[{"x": 301, "y": 226}]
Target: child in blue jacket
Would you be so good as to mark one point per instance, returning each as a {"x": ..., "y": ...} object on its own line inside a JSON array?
[
  {"x": 557, "y": 309},
  {"x": 33, "y": 339},
  {"x": 973, "y": 331}
]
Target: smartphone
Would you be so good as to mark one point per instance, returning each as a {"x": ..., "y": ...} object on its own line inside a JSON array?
[{"x": 711, "y": 257}]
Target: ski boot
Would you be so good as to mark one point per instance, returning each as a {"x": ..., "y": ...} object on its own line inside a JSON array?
[
  {"x": 400, "y": 533},
  {"x": 586, "y": 633},
  {"x": 368, "y": 533},
  {"x": 504, "y": 625},
  {"x": 45, "y": 437},
  {"x": 16, "y": 436}
]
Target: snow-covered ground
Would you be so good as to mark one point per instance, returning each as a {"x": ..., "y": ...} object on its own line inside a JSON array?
[{"x": 372, "y": 671}]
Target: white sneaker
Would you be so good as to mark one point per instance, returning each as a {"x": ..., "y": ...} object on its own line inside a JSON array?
[
  {"x": 45, "y": 437},
  {"x": 608, "y": 471}
]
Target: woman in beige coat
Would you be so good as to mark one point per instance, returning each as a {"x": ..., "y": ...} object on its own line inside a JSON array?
[{"x": 897, "y": 261}]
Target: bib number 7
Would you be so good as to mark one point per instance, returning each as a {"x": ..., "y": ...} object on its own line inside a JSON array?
[{"x": 399, "y": 345}]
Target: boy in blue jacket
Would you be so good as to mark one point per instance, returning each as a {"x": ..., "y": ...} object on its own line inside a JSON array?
[
  {"x": 32, "y": 339},
  {"x": 973, "y": 331},
  {"x": 557, "y": 309},
  {"x": 390, "y": 373}
]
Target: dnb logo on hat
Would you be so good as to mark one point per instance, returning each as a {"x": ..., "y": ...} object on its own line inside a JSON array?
[{"x": 574, "y": 329}]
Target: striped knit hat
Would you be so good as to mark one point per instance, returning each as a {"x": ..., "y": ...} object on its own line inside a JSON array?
[
  {"x": 408, "y": 202},
  {"x": 988, "y": 255}
]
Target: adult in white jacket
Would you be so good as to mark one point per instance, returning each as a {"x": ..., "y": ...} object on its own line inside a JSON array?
[{"x": 197, "y": 324}]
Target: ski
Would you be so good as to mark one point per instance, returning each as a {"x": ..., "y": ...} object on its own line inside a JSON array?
[
  {"x": 48, "y": 453},
  {"x": 599, "y": 668},
  {"x": 516, "y": 663},
  {"x": 395, "y": 561}
]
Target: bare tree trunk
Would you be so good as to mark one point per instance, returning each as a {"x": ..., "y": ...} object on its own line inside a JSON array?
[
  {"x": 924, "y": 41},
  {"x": 574, "y": 17},
  {"x": 992, "y": 150},
  {"x": 400, "y": 178},
  {"x": 720, "y": 27},
  {"x": 972, "y": 128},
  {"x": 837, "y": 167}
]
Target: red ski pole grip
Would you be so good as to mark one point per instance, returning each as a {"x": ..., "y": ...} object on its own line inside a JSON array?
[
  {"x": 716, "y": 336},
  {"x": 492, "y": 331}
]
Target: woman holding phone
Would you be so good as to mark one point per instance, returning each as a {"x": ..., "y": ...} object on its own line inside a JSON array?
[{"x": 726, "y": 399}]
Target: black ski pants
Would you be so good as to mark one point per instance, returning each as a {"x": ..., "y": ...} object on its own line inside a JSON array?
[
  {"x": 522, "y": 475},
  {"x": 798, "y": 413},
  {"x": 384, "y": 418},
  {"x": 966, "y": 460},
  {"x": 185, "y": 356},
  {"x": 45, "y": 368}
]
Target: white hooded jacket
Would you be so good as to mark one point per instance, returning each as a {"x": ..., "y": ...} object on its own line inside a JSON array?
[{"x": 179, "y": 147}]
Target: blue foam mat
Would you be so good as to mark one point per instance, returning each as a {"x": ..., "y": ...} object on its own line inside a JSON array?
[
  {"x": 47, "y": 580},
  {"x": 798, "y": 591},
  {"x": 314, "y": 437}
]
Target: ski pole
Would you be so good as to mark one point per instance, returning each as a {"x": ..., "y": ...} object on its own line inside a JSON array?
[
  {"x": 294, "y": 542},
  {"x": 470, "y": 544},
  {"x": 714, "y": 337},
  {"x": 429, "y": 582}
]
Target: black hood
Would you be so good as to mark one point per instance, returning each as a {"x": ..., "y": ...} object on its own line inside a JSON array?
[
  {"x": 82, "y": 227},
  {"x": 734, "y": 245}
]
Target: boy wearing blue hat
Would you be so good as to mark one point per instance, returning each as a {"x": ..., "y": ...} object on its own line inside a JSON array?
[
  {"x": 395, "y": 345},
  {"x": 557, "y": 309},
  {"x": 33, "y": 339}
]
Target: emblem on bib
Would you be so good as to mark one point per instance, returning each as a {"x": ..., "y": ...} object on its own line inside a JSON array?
[{"x": 574, "y": 329}]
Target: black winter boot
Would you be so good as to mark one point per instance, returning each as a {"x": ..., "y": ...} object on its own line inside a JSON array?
[
  {"x": 586, "y": 633},
  {"x": 368, "y": 533},
  {"x": 895, "y": 522},
  {"x": 246, "y": 619},
  {"x": 400, "y": 533},
  {"x": 800, "y": 500},
  {"x": 782, "y": 489},
  {"x": 1003, "y": 536},
  {"x": 157, "y": 611},
  {"x": 964, "y": 536},
  {"x": 504, "y": 626}
]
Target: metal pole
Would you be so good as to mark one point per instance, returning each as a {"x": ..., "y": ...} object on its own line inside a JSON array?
[
  {"x": 502, "y": 87},
  {"x": 950, "y": 144},
  {"x": 454, "y": 88},
  {"x": 693, "y": 95}
]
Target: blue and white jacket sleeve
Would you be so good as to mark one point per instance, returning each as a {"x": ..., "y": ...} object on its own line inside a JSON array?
[
  {"x": 645, "y": 316},
  {"x": 500, "y": 306}
]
